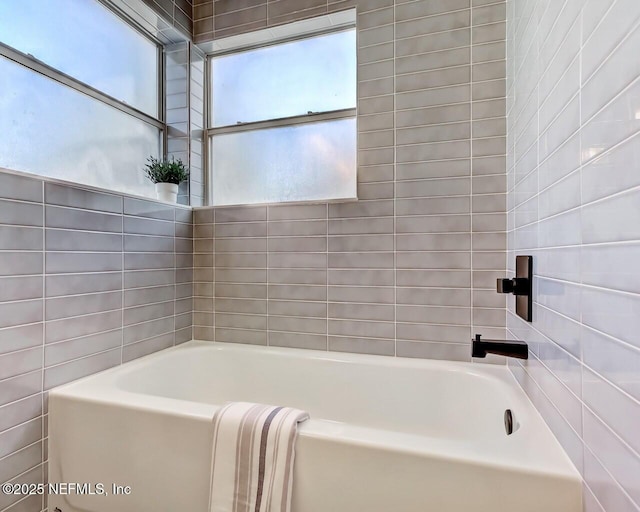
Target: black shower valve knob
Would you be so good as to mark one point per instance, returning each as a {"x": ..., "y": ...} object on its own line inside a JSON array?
[{"x": 517, "y": 286}]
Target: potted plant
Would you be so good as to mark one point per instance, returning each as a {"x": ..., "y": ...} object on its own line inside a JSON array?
[{"x": 167, "y": 175}]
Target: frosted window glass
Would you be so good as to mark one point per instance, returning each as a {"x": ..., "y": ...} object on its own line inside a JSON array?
[
  {"x": 315, "y": 161},
  {"x": 85, "y": 40},
  {"x": 317, "y": 74},
  {"x": 52, "y": 130}
]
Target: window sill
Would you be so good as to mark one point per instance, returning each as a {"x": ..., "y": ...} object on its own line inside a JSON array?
[{"x": 73, "y": 184}]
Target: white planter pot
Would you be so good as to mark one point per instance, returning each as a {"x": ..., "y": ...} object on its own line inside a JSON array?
[{"x": 167, "y": 192}]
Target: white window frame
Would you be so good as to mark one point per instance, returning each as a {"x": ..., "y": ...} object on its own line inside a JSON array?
[{"x": 297, "y": 31}]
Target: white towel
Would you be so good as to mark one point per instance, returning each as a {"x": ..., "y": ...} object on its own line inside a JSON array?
[{"x": 253, "y": 453}]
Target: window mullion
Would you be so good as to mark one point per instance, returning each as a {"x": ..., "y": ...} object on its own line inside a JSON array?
[{"x": 285, "y": 121}]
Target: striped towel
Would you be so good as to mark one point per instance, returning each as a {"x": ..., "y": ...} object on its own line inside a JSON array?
[{"x": 253, "y": 452}]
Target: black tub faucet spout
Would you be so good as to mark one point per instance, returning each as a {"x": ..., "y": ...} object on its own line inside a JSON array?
[{"x": 480, "y": 348}]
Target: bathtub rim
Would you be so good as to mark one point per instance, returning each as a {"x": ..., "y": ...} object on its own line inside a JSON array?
[{"x": 101, "y": 388}]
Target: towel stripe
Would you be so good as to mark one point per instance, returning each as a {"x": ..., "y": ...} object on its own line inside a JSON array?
[
  {"x": 253, "y": 450},
  {"x": 263, "y": 452}
]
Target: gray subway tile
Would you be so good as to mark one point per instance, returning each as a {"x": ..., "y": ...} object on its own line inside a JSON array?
[
  {"x": 141, "y": 226},
  {"x": 72, "y": 263},
  {"x": 20, "y": 437},
  {"x": 20, "y": 387},
  {"x": 184, "y": 261},
  {"x": 436, "y": 279},
  {"x": 381, "y": 260},
  {"x": 238, "y": 260},
  {"x": 297, "y": 212},
  {"x": 247, "y": 291},
  {"x": 20, "y": 213},
  {"x": 20, "y": 337},
  {"x": 240, "y": 229},
  {"x": 146, "y": 330},
  {"x": 67, "y": 328},
  {"x": 183, "y": 321},
  {"x": 297, "y": 260},
  {"x": 241, "y": 321},
  {"x": 298, "y": 340},
  {"x": 78, "y": 368},
  {"x": 422, "y": 8},
  {"x": 297, "y": 308},
  {"x": 68, "y": 240},
  {"x": 380, "y": 208},
  {"x": 150, "y": 209},
  {"x": 297, "y": 292},
  {"x": 63, "y": 195},
  {"x": 19, "y": 313},
  {"x": 20, "y": 411},
  {"x": 148, "y": 261},
  {"x": 240, "y": 275},
  {"x": 362, "y": 345},
  {"x": 20, "y": 288},
  {"x": 64, "y": 351},
  {"x": 139, "y": 314},
  {"x": 140, "y": 296},
  {"x": 489, "y": 32},
  {"x": 76, "y": 284},
  {"x": 232, "y": 245},
  {"x": 434, "y": 314},
  {"x": 17, "y": 238},
  {"x": 146, "y": 347},
  {"x": 297, "y": 324},
  {"x": 64, "y": 307},
  {"x": 203, "y": 215},
  {"x": 146, "y": 278},
  {"x": 366, "y": 329},
  {"x": 18, "y": 463},
  {"x": 361, "y": 277},
  {"x": 21, "y": 362},
  {"x": 434, "y": 296},
  {"x": 20, "y": 188},
  {"x": 294, "y": 276},
  {"x": 138, "y": 243},
  {"x": 241, "y": 336},
  {"x": 69, "y": 218},
  {"x": 298, "y": 244},
  {"x": 183, "y": 230},
  {"x": 382, "y": 312},
  {"x": 361, "y": 243},
  {"x": 432, "y": 350},
  {"x": 184, "y": 215}
]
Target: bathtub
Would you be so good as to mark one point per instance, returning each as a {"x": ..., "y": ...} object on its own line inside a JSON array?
[{"x": 385, "y": 435}]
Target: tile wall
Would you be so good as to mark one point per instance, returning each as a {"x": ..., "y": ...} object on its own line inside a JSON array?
[
  {"x": 179, "y": 13},
  {"x": 170, "y": 21},
  {"x": 574, "y": 203},
  {"x": 88, "y": 280},
  {"x": 410, "y": 268}
]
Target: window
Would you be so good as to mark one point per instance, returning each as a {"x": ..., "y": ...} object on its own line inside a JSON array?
[
  {"x": 80, "y": 94},
  {"x": 282, "y": 122}
]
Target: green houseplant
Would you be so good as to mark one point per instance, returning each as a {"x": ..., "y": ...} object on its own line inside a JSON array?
[{"x": 167, "y": 175}]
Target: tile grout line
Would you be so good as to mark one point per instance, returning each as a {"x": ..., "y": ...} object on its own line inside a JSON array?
[
  {"x": 580, "y": 19},
  {"x": 215, "y": 273},
  {"x": 44, "y": 316},
  {"x": 395, "y": 177},
  {"x": 268, "y": 330},
  {"x": 175, "y": 268},
  {"x": 471, "y": 324},
  {"x": 122, "y": 284},
  {"x": 327, "y": 271}
]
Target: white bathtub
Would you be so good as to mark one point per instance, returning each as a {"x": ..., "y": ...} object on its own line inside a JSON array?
[{"x": 385, "y": 435}]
